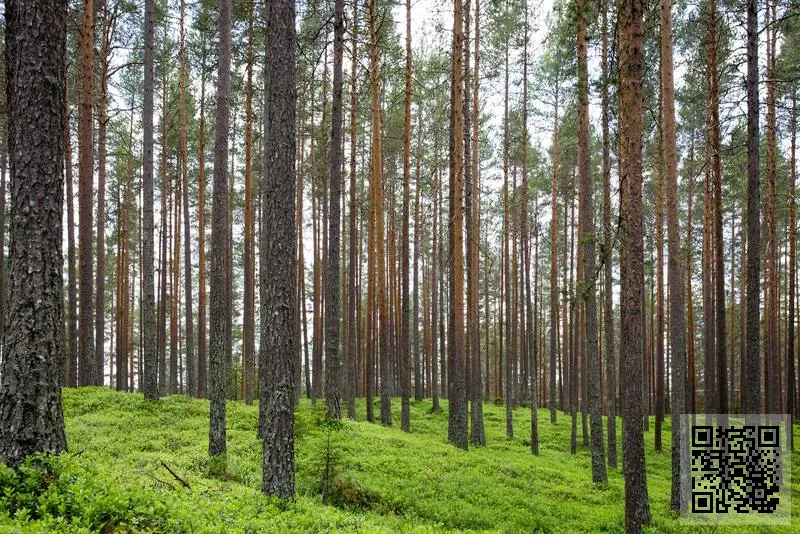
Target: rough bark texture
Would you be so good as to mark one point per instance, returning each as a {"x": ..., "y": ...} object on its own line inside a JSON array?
[
  {"x": 149, "y": 381},
  {"x": 278, "y": 255},
  {"x": 333, "y": 358},
  {"x": 677, "y": 309},
  {"x": 88, "y": 371},
  {"x": 219, "y": 310},
  {"x": 588, "y": 242},
  {"x": 608, "y": 256},
  {"x": 457, "y": 431},
  {"x": 631, "y": 43},
  {"x": 752, "y": 400},
  {"x": 719, "y": 256},
  {"x": 31, "y": 417}
]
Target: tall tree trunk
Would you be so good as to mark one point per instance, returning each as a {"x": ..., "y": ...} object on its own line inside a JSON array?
[
  {"x": 377, "y": 209},
  {"x": 528, "y": 341},
  {"x": 509, "y": 317},
  {"x": 608, "y": 257},
  {"x": 72, "y": 299},
  {"x": 31, "y": 417},
  {"x": 587, "y": 229},
  {"x": 631, "y": 28},
  {"x": 790, "y": 330},
  {"x": 354, "y": 300},
  {"x": 219, "y": 303},
  {"x": 752, "y": 404},
  {"x": 102, "y": 124},
  {"x": 473, "y": 240},
  {"x": 248, "y": 331},
  {"x": 191, "y": 368},
  {"x": 333, "y": 359},
  {"x": 709, "y": 367},
  {"x": 201, "y": 230},
  {"x": 691, "y": 393},
  {"x": 554, "y": 266},
  {"x": 772, "y": 388},
  {"x": 149, "y": 381},
  {"x": 457, "y": 431},
  {"x": 658, "y": 272},
  {"x": 719, "y": 257},
  {"x": 677, "y": 320},
  {"x": 88, "y": 371},
  {"x": 434, "y": 270},
  {"x": 277, "y": 275},
  {"x": 405, "y": 381}
]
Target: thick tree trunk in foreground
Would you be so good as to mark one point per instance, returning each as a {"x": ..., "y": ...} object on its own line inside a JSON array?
[
  {"x": 278, "y": 257},
  {"x": 631, "y": 27},
  {"x": 31, "y": 418},
  {"x": 219, "y": 309}
]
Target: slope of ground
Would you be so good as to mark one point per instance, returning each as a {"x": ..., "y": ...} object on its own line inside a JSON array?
[{"x": 116, "y": 477}]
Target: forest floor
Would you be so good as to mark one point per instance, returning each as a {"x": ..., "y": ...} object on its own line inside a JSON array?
[{"x": 140, "y": 466}]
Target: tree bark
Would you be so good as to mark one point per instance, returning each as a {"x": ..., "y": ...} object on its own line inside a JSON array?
[
  {"x": 608, "y": 257},
  {"x": 149, "y": 381},
  {"x": 191, "y": 367},
  {"x": 72, "y": 299},
  {"x": 631, "y": 28},
  {"x": 249, "y": 326},
  {"x": 405, "y": 370},
  {"x": 588, "y": 240},
  {"x": 473, "y": 240},
  {"x": 31, "y": 417},
  {"x": 220, "y": 224},
  {"x": 333, "y": 358},
  {"x": 88, "y": 371},
  {"x": 677, "y": 319},
  {"x": 278, "y": 257}
]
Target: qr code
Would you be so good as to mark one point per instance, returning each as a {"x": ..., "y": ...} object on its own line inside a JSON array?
[{"x": 737, "y": 468}]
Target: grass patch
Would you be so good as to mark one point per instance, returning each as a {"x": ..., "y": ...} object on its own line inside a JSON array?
[{"x": 353, "y": 476}]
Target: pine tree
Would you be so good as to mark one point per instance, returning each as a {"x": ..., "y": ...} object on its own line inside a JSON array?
[
  {"x": 217, "y": 342},
  {"x": 631, "y": 61},
  {"x": 277, "y": 278}
]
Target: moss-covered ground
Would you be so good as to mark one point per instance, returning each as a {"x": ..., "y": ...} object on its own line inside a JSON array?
[{"x": 116, "y": 476}]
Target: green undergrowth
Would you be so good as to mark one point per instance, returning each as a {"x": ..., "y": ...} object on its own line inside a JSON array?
[{"x": 139, "y": 466}]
